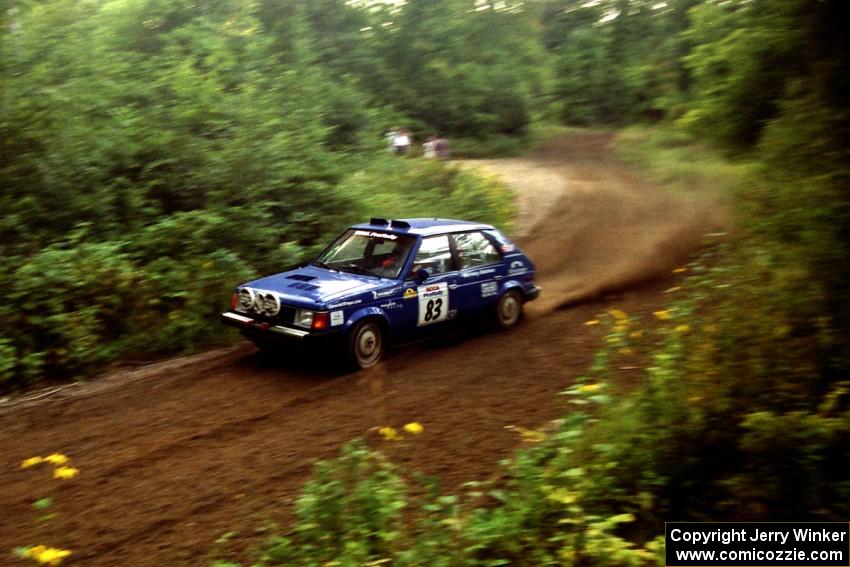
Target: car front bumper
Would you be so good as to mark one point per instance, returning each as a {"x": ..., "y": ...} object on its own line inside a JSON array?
[
  {"x": 533, "y": 294},
  {"x": 254, "y": 328},
  {"x": 242, "y": 322}
]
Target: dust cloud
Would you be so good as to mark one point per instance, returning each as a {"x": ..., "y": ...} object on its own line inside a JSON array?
[{"x": 592, "y": 226}]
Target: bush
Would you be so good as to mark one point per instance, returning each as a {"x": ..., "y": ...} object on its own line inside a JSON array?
[
  {"x": 77, "y": 305},
  {"x": 67, "y": 304},
  {"x": 349, "y": 513}
]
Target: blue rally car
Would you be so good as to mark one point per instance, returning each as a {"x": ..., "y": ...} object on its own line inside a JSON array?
[{"x": 388, "y": 281}]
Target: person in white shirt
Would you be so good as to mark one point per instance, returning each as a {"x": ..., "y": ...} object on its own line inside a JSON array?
[{"x": 401, "y": 143}]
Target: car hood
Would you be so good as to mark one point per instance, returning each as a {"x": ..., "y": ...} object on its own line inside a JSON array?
[{"x": 314, "y": 285}]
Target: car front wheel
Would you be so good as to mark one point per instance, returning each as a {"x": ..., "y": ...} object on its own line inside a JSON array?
[
  {"x": 365, "y": 344},
  {"x": 509, "y": 309}
]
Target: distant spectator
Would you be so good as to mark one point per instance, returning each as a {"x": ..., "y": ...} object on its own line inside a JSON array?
[
  {"x": 441, "y": 148},
  {"x": 401, "y": 142},
  {"x": 390, "y": 138},
  {"x": 429, "y": 148}
]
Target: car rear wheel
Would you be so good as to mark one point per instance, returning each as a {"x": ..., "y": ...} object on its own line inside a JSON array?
[
  {"x": 509, "y": 309},
  {"x": 365, "y": 344}
]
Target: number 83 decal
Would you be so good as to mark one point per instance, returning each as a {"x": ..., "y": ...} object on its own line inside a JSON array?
[{"x": 433, "y": 303}]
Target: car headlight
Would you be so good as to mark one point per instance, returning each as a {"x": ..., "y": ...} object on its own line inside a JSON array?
[
  {"x": 268, "y": 304},
  {"x": 246, "y": 299},
  {"x": 304, "y": 318},
  {"x": 315, "y": 320}
]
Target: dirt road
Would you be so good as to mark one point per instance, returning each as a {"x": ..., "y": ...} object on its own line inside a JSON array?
[{"x": 174, "y": 455}]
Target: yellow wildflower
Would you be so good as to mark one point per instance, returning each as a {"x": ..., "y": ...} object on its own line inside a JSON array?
[
  {"x": 618, "y": 314},
  {"x": 46, "y": 555},
  {"x": 56, "y": 459},
  {"x": 588, "y": 388},
  {"x": 636, "y": 334},
  {"x": 389, "y": 433},
  {"x": 414, "y": 428},
  {"x": 680, "y": 270},
  {"x": 65, "y": 473},
  {"x": 683, "y": 328},
  {"x": 592, "y": 322},
  {"x": 32, "y": 552},
  {"x": 31, "y": 462},
  {"x": 662, "y": 315},
  {"x": 52, "y": 556}
]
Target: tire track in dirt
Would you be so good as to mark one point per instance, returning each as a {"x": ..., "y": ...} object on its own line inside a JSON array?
[{"x": 173, "y": 455}]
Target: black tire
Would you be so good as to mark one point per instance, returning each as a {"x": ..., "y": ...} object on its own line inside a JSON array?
[
  {"x": 365, "y": 344},
  {"x": 509, "y": 309}
]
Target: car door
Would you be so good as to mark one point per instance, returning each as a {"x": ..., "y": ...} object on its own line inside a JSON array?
[
  {"x": 431, "y": 303},
  {"x": 481, "y": 270}
]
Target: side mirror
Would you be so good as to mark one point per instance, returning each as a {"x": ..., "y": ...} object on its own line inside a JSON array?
[{"x": 422, "y": 274}]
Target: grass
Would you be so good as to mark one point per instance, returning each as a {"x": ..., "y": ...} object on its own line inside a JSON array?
[{"x": 679, "y": 163}]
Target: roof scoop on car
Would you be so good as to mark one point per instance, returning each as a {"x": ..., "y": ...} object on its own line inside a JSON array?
[
  {"x": 375, "y": 221},
  {"x": 301, "y": 277}
]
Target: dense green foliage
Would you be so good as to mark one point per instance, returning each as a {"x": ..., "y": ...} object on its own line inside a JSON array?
[{"x": 617, "y": 61}]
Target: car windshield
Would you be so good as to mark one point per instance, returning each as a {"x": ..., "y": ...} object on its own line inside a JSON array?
[{"x": 367, "y": 252}]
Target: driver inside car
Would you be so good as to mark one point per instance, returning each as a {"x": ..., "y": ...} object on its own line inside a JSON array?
[{"x": 390, "y": 264}]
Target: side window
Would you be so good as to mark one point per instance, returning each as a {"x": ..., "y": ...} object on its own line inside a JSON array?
[
  {"x": 474, "y": 249},
  {"x": 434, "y": 255}
]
